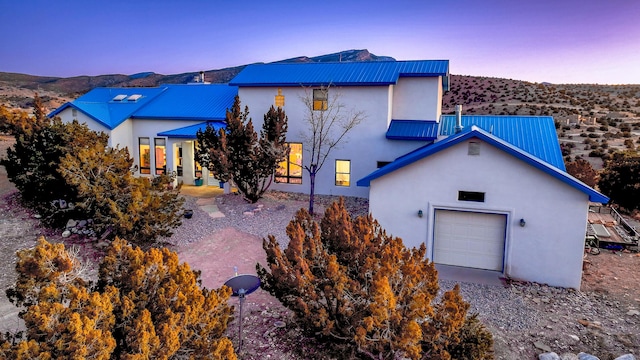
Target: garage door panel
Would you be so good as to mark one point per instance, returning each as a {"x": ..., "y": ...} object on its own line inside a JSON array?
[{"x": 469, "y": 239}]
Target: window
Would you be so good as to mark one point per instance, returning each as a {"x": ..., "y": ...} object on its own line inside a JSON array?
[
  {"x": 161, "y": 156},
  {"x": 145, "y": 155},
  {"x": 179, "y": 159},
  {"x": 320, "y": 97},
  {"x": 471, "y": 196},
  {"x": 290, "y": 170},
  {"x": 343, "y": 172},
  {"x": 196, "y": 166},
  {"x": 279, "y": 99}
]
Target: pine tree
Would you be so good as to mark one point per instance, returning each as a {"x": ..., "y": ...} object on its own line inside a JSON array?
[
  {"x": 348, "y": 282},
  {"x": 237, "y": 154},
  {"x": 146, "y": 306}
]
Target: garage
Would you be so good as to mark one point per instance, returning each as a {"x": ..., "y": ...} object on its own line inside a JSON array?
[{"x": 469, "y": 239}]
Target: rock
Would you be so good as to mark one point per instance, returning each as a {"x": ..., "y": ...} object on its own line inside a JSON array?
[
  {"x": 248, "y": 213},
  {"x": 568, "y": 356},
  {"x": 62, "y": 204},
  {"x": 633, "y": 312},
  {"x": 585, "y": 356},
  {"x": 37, "y": 216},
  {"x": 82, "y": 223},
  {"x": 71, "y": 223},
  {"x": 66, "y": 234},
  {"x": 548, "y": 356},
  {"x": 626, "y": 357},
  {"x": 542, "y": 346},
  {"x": 574, "y": 337}
]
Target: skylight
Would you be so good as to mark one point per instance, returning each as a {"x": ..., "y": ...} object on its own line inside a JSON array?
[
  {"x": 134, "y": 97},
  {"x": 119, "y": 97}
]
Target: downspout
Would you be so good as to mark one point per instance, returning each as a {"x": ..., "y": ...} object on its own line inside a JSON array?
[{"x": 458, "y": 127}]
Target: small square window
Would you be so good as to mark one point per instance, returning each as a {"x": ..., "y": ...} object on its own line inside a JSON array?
[
  {"x": 471, "y": 196},
  {"x": 320, "y": 98}
]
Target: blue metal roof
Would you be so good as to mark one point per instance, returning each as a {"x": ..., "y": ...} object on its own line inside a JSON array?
[
  {"x": 476, "y": 132},
  {"x": 100, "y": 105},
  {"x": 533, "y": 134},
  {"x": 189, "y": 132},
  {"x": 412, "y": 130},
  {"x": 340, "y": 73},
  {"x": 175, "y": 102},
  {"x": 190, "y": 102}
]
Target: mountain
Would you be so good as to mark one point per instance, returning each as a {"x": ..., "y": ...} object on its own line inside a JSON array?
[{"x": 17, "y": 90}]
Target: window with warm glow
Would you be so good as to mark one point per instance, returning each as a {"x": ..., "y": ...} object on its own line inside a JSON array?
[
  {"x": 197, "y": 167},
  {"x": 290, "y": 170},
  {"x": 161, "y": 155},
  {"x": 179, "y": 159},
  {"x": 320, "y": 98},
  {"x": 343, "y": 172},
  {"x": 279, "y": 99},
  {"x": 145, "y": 155}
]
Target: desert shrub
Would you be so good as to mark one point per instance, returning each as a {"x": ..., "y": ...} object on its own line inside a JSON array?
[
  {"x": 147, "y": 305},
  {"x": 56, "y": 163},
  {"x": 591, "y": 129},
  {"x": 350, "y": 283},
  {"x": 596, "y": 153},
  {"x": 594, "y": 136}
]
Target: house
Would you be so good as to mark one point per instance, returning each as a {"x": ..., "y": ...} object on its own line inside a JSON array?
[
  {"x": 157, "y": 125},
  {"x": 486, "y": 192}
]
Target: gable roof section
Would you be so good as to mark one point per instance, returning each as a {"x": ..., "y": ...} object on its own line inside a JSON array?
[
  {"x": 190, "y": 102},
  {"x": 418, "y": 130},
  {"x": 533, "y": 134},
  {"x": 189, "y": 132},
  {"x": 340, "y": 73},
  {"x": 99, "y": 105},
  {"x": 476, "y": 132}
]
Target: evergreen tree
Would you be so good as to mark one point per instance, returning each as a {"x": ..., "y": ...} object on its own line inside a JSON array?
[
  {"x": 620, "y": 180},
  {"x": 146, "y": 306},
  {"x": 237, "y": 154},
  {"x": 348, "y": 282}
]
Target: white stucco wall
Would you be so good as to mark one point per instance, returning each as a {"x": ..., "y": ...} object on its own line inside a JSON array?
[
  {"x": 417, "y": 98},
  {"x": 67, "y": 116},
  {"x": 365, "y": 145},
  {"x": 548, "y": 249}
]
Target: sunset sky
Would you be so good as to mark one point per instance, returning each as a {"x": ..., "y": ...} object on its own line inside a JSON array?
[{"x": 557, "y": 41}]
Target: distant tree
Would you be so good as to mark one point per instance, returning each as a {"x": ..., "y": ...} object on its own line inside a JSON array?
[
  {"x": 620, "y": 180},
  {"x": 583, "y": 171},
  {"x": 350, "y": 283},
  {"x": 235, "y": 153},
  {"x": 328, "y": 123},
  {"x": 146, "y": 306}
]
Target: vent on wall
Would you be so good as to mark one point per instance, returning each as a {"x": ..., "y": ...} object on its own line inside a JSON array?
[{"x": 474, "y": 148}]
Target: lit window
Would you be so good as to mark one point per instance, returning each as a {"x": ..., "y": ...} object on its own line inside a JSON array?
[
  {"x": 197, "y": 167},
  {"x": 161, "y": 158},
  {"x": 343, "y": 172},
  {"x": 290, "y": 170},
  {"x": 320, "y": 97},
  {"x": 179, "y": 159},
  {"x": 145, "y": 155},
  {"x": 279, "y": 99}
]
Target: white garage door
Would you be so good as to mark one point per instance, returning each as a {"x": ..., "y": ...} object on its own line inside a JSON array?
[{"x": 469, "y": 239}]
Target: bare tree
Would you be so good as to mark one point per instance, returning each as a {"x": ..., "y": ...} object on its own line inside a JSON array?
[{"x": 328, "y": 122}]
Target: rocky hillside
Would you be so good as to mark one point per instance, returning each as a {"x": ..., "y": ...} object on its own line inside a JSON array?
[
  {"x": 17, "y": 90},
  {"x": 593, "y": 121}
]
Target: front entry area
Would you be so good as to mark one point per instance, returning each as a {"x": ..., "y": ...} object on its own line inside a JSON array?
[{"x": 469, "y": 239}]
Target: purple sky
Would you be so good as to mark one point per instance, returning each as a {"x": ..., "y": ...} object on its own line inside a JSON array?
[{"x": 558, "y": 41}]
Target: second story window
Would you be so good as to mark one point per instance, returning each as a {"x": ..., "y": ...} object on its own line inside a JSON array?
[
  {"x": 279, "y": 99},
  {"x": 320, "y": 98}
]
